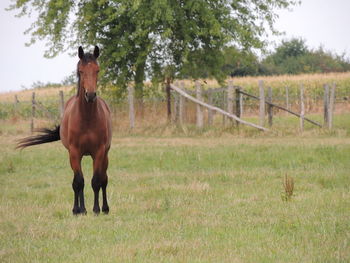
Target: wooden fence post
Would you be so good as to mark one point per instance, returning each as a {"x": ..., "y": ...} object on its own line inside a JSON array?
[
  {"x": 131, "y": 106},
  {"x": 61, "y": 103},
  {"x": 331, "y": 107},
  {"x": 326, "y": 105},
  {"x": 287, "y": 98},
  {"x": 230, "y": 97},
  {"x": 181, "y": 105},
  {"x": 33, "y": 113},
  {"x": 199, "y": 107},
  {"x": 269, "y": 106},
  {"x": 176, "y": 107},
  {"x": 238, "y": 104},
  {"x": 302, "y": 108},
  {"x": 262, "y": 103},
  {"x": 224, "y": 100},
  {"x": 210, "y": 111},
  {"x": 168, "y": 99}
]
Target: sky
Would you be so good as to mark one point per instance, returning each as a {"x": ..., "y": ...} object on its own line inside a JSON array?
[{"x": 318, "y": 22}]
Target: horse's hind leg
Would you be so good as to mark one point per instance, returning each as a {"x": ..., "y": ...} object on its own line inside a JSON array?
[
  {"x": 78, "y": 183},
  {"x": 105, "y": 207}
]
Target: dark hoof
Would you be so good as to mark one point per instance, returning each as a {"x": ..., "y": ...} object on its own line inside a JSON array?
[
  {"x": 76, "y": 210},
  {"x": 105, "y": 209},
  {"x": 83, "y": 211},
  {"x": 96, "y": 210},
  {"x": 79, "y": 211}
]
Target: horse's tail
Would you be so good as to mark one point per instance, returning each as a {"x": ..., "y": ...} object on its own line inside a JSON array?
[{"x": 46, "y": 136}]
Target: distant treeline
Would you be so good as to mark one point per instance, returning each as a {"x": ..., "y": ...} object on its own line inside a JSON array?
[{"x": 290, "y": 57}]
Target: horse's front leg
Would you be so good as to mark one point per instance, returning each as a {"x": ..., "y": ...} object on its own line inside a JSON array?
[
  {"x": 78, "y": 182},
  {"x": 100, "y": 180}
]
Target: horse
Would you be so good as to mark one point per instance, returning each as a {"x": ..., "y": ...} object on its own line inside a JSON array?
[{"x": 85, "y": 129}]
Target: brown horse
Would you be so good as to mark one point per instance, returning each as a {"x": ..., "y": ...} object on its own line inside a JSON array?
[{"x": 85, "y": 129}]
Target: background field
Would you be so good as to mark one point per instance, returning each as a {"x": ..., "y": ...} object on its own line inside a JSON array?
[{"x": 190, "y": 199}]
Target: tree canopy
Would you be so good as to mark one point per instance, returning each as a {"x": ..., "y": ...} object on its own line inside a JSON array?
[
  {"x": 294, "y": 57},
  {"x": 153, "y": 38}
]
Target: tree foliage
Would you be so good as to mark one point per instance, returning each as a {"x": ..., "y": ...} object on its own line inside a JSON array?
[
  {"x": 240, "y": 62},
  {"x": 294, "y": 57},
  {"x": 153, "y": 38}
]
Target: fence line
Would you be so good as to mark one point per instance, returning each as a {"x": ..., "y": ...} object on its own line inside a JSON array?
[
  {"x": 228, "y": 101},
  {"x": 282, "y": 108},
  {"x": 201, "y": 103}
]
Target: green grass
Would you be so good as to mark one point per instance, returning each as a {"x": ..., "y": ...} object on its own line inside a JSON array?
[{"x": 200, "y": 199}]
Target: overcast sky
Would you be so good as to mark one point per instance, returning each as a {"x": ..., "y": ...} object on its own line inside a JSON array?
[{"x": 319, "y": 22}]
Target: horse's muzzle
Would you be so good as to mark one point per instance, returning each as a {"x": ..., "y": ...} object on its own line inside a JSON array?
[{"x": 90, "y": 96}]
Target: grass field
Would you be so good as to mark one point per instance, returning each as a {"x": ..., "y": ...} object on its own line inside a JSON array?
[{"x": 189, "y": 199}]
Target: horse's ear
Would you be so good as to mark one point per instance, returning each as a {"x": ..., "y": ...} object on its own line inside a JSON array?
[
  {"x": 81, "y": 52},
  {"x": 96, "y": 52}
]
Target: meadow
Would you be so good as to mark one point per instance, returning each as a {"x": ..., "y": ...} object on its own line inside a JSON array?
[
  {"x": 179, "y": 194},
  {"x": 181, "y": 199}
]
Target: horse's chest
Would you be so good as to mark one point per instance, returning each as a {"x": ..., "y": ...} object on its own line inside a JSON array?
[
  {"x": 89, "y": 142},
  {"x": 91, "y": 138}
]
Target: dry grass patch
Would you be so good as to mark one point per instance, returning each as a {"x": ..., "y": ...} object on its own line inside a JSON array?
[{"x": 26, "y": 95}]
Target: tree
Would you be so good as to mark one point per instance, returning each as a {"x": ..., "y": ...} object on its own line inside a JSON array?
[
  {"x": 294, "y": 57},
  {"x": 144, "y": 38},
  {"x": 240, "y": 63}
]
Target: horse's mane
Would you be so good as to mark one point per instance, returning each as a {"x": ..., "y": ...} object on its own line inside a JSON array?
[{"x": 88, "y": 57}]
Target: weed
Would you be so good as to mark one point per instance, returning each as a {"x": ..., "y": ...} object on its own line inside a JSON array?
[
  {"x": 10, "y": 167},
  {"x": 288, "y": 184}
]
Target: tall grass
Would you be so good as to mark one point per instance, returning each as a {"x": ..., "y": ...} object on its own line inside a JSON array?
[{"x": 41, "y": 93}]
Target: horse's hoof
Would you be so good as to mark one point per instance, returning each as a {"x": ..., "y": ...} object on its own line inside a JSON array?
[
  {"x": 105, "y": 210},
  {"x": 83, "y": 211},
  {"x": 96, "y": 210},
  {"x": 76, "y": 211}
]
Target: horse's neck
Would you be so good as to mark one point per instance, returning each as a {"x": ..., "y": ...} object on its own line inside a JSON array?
[{"x": 85, "y": 108}]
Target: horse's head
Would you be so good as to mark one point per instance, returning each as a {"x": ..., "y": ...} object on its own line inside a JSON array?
[{"x": 87, "y": 72}]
